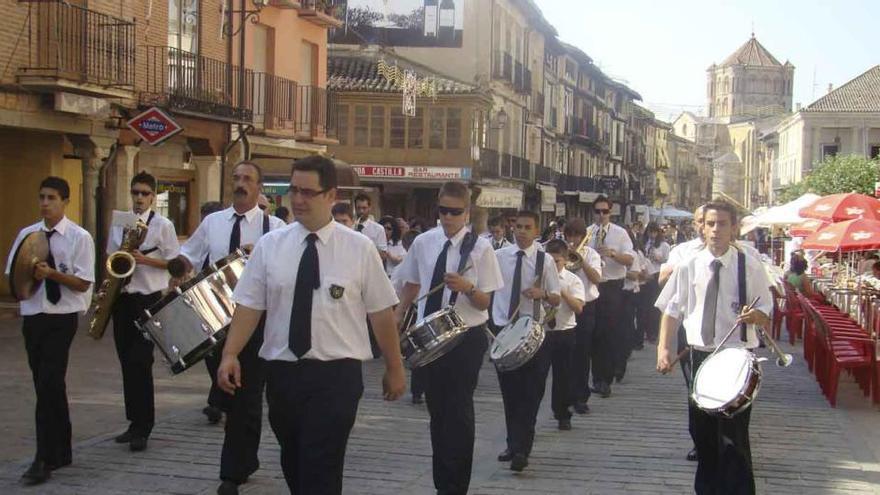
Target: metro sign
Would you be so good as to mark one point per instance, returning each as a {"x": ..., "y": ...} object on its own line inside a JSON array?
[{"x": 154, "y": 126}]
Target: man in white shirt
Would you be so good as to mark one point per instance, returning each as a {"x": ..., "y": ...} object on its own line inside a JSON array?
[
  {"x": 496, "y": 233},
  {"x": 657, "y": 252},
  {"x": 50, "y": 322},
  {"x": 704, "y": 294},
  {"x": 450, "y": 380},
  {"x": 342, "y": 214},
  {"x": 219, "y": 235},
  {"x": 143, "y": 290},
  {"x": 561, "y": 336},
  {"x": 612, "y": 242},
  {"x": 590, "y": 275},
  {"x": 369, "y": 227},
  {"x": 530, "y": 278},
  {"x": 316, "y": 306}
]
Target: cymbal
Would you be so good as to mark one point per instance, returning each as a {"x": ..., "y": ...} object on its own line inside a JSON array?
[{"x": 33, "y": 249}]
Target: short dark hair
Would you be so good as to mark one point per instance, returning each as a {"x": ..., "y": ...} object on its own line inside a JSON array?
[
  {"x": 556, "y": 246},
  {"x": 652, "y": 227},
  {"x": 363, "y": 197},
  {"x": 495, "y": 222},
  {"x": 341, "y": 208},
  {"x": 721, "y": 205},
  {"x": 250, "y": 164},
  {"x": 575, "y": 226},
  {"x": 455, "y": 189},
  {"x": 145, "y": 179},
  {"x": 798, "y": 264},
  {"x": 210, "y": 207},
  {"x": 323, "y": 166},
  {"x": 530, "y": 214},
  {"x": 603, "y": 199},
  {"x": 282, "y": 212},
  {"x": 58, "y": 184}
]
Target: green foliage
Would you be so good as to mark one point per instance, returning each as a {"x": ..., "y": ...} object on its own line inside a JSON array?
[{"x": 838, "y": 174}]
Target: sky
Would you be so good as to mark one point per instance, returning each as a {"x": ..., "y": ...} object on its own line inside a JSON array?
[{"x": 662, "y": 48}]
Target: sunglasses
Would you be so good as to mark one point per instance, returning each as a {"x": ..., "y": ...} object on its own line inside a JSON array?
[
  {"x": 137, "y": 192},
  {"x": 600, "y": 211},
  {"x": 445, "y": 210},
  {"x": 306, "y": 193}
]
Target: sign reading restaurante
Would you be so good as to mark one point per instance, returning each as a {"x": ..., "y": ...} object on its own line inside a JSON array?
[{"x": 424, "y": 173}]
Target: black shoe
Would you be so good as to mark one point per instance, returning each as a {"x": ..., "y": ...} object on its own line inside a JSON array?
[
  {"x": 606, "y": 392},
  {"x": 505, "y": 456},
  {"x": 692, "y": 455},
  {"x": 213, "y": 413},
  {"x": 417, "y": 399},
  {"x": 565, "y": 424},
  {"x": 639, "y": 347},
  {"x": 227, "y": 488},
  {"x": 581, "y": 408},
  {"x": 57, "y": 465},
  {"x": 138, "y": 444},
  {"x": 519, "y": 462},
  {"x": 124, "y": 438},
  {"x": 618, "y": 378},
  {"x": 36, "y": 474}
]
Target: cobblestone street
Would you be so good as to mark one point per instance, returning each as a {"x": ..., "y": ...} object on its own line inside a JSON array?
[{"x": 633, "y": 442}]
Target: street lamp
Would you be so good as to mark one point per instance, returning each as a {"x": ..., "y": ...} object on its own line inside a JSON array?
[{"x": 500, "y": 120}]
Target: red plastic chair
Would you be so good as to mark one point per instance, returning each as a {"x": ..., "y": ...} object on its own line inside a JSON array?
[{"x": 794, "y": 316}]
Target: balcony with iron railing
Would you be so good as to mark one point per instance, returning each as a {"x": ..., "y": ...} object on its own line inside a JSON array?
[
  {"x": 546, "y": 175},
  {"x": 285, "y": 108},
  {"x": 502, "y": 66},
  {"x": 488, "y": 163},
  {"x": 321, "y": 12},
  {"x": 75, "y": 49}
]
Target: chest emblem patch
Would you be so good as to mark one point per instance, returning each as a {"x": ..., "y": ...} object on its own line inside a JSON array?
[{"x": 336, "y": 291}]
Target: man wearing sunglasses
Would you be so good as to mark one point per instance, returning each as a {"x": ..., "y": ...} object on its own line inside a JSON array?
[
  {"x": 614, "y": 245},
  {"x": 433, "y": 261},
  {"x": 150, "y": 277}
]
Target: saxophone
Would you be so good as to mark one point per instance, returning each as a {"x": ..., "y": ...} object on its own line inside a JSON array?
[{"x": 120, "y": 265}]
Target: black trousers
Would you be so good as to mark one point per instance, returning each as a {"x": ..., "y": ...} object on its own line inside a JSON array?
[
  {"x": 648, "y": 316},
  {"x": 312, "y": 408},
  {"x": 244, "y": 415},
  {"x": 629, "y": 311},
  {"x": 685, "y": 364},
  {"x": 135, "y": 353},
  {"x": 216, "y": 397},
  {"x": 522, "y": 391},
  {"x": 723, "y": 450},
  {"x": 449, "y": 383},
  {"x": 47, "y": 339},
  {"x": 608, "y": 339},
  {"x": 561, "y": 347},
  {"x": 583, "y": 352}
]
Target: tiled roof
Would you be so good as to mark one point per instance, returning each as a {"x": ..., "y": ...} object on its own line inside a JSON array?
[
  {"x": 349, "y": 71},
  {"x": 861, "y": 94},
  {"x": 752, "y": 53}
]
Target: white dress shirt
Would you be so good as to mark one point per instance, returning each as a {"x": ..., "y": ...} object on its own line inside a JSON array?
[
  {"x": 346, "y": 260},
  {"x": 593, "y": 260},
  {"x": 638, "y": 263},
  {"x": 211, "y": 238},
  {"x": 681, "y": 253},
  {"x": 396, "y": 250},
  {"x": 481, "y": 270},
  {"x": 496, "y": 245},
  {"x": 616, "y": 238},
  {"x": 570, "y": 283},
  {"x": 160, "y": 235},
  {"x": 74, "y": 253},
  {"x": 656, "y": 255},
  {"x": 507, "y": 261},
  {"x": 684, "y": 295},
  {"x": 376, "y": 232}
]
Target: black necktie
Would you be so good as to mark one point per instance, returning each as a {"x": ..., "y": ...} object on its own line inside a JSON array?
[
  {"x": 516, "y": 285},
  {"x": 53, "y": 290},
  {"x": 435, "y": 300},
  {"x": 308, "y": 279},
  {"x": 710, "y": 305},
  {"x": 360, "y": 227},
  {"x": 235, "y": 237}
]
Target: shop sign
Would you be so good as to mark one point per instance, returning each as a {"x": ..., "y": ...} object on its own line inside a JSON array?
[
  {"x": 408, "y": 172},
  {"x": 548, "y": 198},
  {"x": 560, "y": 209},
  {"x": 499, "y": 197},
  {"x": 587, "y": 197},
  {"x": 154, "y": 126}
]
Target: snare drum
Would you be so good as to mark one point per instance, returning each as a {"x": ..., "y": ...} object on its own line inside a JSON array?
[
  {"x": 516, "y": 343},
  {"x": 727, "y": 382},
  {"x": 431, "y": 337},
  {"x": 191, "y": 321}
]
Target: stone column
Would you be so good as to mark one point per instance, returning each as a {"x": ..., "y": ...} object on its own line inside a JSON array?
[
  {"x": 119, "y": 178},
  {"x": 858, "y": 147},
  {"x": 92, "y": 150},
  {"x": 208, "y": 178}
]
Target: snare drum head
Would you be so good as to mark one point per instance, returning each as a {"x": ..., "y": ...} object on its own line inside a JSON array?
[
  {"x": 721, "y": 378},
  {"x": 511, "y": 336}
]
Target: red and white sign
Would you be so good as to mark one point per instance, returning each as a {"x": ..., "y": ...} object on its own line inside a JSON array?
[
  {"x": 423, "y": 173},
  {"x": 154, "y": 126}
]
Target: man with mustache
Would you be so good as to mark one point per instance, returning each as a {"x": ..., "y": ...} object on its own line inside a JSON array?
[{"x": 370, "y": 228}]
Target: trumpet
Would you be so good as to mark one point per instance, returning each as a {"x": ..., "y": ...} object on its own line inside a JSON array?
[{"x": 575, "y": 260}]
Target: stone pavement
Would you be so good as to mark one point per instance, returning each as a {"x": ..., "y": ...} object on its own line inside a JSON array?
[{"x": 633, "y": 442}]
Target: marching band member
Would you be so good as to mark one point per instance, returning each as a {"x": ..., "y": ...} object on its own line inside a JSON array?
[
  {"x": 50, "y": 322},
  {"x": 316, "y": 282},
  {"x": 220, "y": 234},
  {"x": 612, "y": 243},
  {"x": 561, "y": 337},
  {"x": 450, "y": 380},
  {"x": 591, "y": 276},
  {"x": 657, "y": 252},
  {"x": 369, "y": 227},
  {"x": 523, "y": 388},
  {"x": 703, "y": 294},
  {"x": 496, "y": 233},
  {"x": 342, "y": 214},
  {"x": 144, "y": 289}
]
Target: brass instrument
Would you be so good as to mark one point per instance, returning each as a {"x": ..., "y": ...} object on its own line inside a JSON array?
[
  {"x": 33, "y": 249},
  {"x": 120, "y": 265},
  {"x": 575, "y": 260}
]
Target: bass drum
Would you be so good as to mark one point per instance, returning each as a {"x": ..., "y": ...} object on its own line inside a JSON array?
[
  {"x": 192, "y": 321},
  {"x": 727, "y": 382},
  {"x": 516, "y": 343}
]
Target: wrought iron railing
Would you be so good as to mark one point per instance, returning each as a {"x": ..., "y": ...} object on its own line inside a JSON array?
[
  {"x": 488, "y": 162},
  {"x": 502, "y": 65}
]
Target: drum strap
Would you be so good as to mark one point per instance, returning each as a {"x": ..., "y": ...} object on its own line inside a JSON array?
[
  {"x": 154, "y": 248},
  {"x": 539, "y": 280},
  {"x": 741, "y": 283},
  {"x": 467, "y": 245}
]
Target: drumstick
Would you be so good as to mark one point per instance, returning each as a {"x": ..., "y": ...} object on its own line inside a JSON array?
[{"x": 441, "y": 285}]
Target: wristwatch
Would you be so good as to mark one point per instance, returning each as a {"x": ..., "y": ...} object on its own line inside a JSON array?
[{"x": 471, "y": 291}]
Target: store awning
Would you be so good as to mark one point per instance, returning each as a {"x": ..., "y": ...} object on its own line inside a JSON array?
[
  {"x": 548, "y": 198},
  {"x": 500, "y": 197}
]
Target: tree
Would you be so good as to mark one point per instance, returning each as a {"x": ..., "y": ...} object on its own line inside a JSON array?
[
  {"x": 413, "y": 20},
  {"x": 837, "y": 174},
  {"x": 363, "y": 17}
]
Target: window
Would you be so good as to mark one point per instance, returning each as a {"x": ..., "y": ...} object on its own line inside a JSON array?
[
  {"x": 361, "y": 125},
  {"x": 342, "y": 125},
  {"x": 875, "y": 151},
  {"x": 398, "y": 128},
  {"x": 183, "y": 25},
  {"x": 453, "y": 128},
  {"x": 416, "y": 129},
  {"x": 172, "y": 203},
  {"x": 829, "y": 150},
  {"x": 377, "y": 126},
  {"x": 438, "y": 115}
]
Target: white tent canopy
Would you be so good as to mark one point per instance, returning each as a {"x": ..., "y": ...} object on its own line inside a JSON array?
[
  {"x": 787, "y": 214},
  {"x": 670, "y": 212}
]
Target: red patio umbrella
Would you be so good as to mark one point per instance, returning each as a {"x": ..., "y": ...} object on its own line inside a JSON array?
[
  {"x": 839, "y": 207},
  {"x": 861, "y": 234},
  {"x": 807, "y": 227}
]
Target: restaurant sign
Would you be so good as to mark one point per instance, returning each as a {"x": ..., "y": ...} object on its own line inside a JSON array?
[{"x": 412, "y": 173}]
